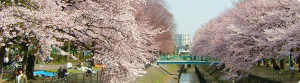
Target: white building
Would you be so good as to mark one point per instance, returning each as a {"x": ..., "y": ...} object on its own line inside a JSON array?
[
  {"x": 182, "y": 49},
  {"x": 183, "y": 39}
]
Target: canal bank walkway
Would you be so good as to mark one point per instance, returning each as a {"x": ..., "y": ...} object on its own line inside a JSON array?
[{"x": 40, "y": 67}]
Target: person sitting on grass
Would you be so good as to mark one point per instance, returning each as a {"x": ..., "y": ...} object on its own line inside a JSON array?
[
  {"x": 65, "y": 71},
  {"x": 60, "y": 73},
  {"x": 69, "y": 65},
  {"x": 80, "y": 64},
  {"x": 89, "y": 71}
]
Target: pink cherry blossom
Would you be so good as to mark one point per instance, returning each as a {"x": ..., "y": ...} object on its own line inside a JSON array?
[{"x": 249, "y": 32}]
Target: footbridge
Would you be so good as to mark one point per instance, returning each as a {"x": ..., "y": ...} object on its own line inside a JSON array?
[{"x": 187, "y": 59}]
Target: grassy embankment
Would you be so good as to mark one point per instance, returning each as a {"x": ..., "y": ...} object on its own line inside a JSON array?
[
  {"x": 156, "y": 74},
  {"x": 259, "y": 74}
]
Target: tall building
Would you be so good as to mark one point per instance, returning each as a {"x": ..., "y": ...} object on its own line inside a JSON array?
[{"x": 183, "y": 39}]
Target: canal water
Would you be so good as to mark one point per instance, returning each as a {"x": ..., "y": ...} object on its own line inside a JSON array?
[{"x": 189, "y": 75}]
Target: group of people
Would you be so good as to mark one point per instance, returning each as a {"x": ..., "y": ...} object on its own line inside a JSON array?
[
  {"x": 62, "y": 72},
  {"x": 82, "y": 64},
  {"x": 88, "y": 69},
  {"x": 10, "y": 61}
]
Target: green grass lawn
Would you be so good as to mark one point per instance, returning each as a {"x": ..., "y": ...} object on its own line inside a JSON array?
[
  {"x": 62, "y": 62},
  {"x": 72, "y": 71},
  {"x": 156, "y": 74}
]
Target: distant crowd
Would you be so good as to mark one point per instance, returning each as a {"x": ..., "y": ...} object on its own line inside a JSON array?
[
  {"x": 62, "y": 72},
  {"x": 10, "y": 62}
]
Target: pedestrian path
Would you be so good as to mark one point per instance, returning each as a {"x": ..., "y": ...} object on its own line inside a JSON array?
[{"x": 40, "y": 67}]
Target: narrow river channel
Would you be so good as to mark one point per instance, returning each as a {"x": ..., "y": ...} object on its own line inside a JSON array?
[{"x": 189, "y": 75}]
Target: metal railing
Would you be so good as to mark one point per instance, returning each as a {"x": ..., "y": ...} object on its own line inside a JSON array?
[
  {"x": 187, "y": 57},
  {"x": 74, "y": 78}
]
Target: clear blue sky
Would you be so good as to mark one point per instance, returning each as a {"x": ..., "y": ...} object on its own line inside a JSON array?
[{"x": 191, "y": 14}]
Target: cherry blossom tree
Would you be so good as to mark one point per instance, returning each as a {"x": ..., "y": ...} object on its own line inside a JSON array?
[
  {"x": 158, "y": 16},
  {"x": 115, "y": 38},
  {"x": 249, "y": 32},
  {"x": 107, "y": 28},
  {"x": 22, "y": 24}
]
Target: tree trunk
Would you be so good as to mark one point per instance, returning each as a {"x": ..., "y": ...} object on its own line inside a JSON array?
[
  {"x": 291, "y": 63},
  {"x": 24, "y": 62},
  {"x": 258, "y": 63},
  {"x": 25, "y": 57},
  {"x": 30, "y": 67},
  {"x": 69, "y": 49},
  {"x": 274, "y": 62},
  {"x": 36, "y": 60},
  {"x": 282, "y": 64},
  {"x": 266, "y": 62},
  {"x": 78, "y": 51},
  {"x": 2, "y": 53},
  {"x": 275, "y": 65},
  {"x": 74, "y": 52},
  {"x": 82, "y": 56},
  {"x": 298, "y": 62},
  {"x": 92, "y": 62}
]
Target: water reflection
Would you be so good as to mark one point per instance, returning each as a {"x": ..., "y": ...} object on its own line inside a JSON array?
[{"x": 189, "y": 75}]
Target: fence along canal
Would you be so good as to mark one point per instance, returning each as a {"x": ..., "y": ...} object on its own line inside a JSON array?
[{"x": 75, "y": 78}]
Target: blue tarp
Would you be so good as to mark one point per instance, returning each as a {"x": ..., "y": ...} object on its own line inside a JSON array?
[{"x": 48, "y": 74}]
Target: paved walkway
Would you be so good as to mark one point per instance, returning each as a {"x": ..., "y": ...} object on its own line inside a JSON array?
[{"x": 39, "y": 67}]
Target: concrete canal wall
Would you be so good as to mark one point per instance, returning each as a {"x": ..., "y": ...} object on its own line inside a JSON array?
[{"x": 176, "y": 75}]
